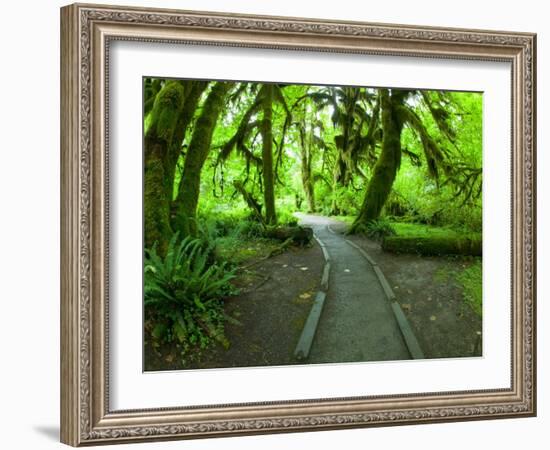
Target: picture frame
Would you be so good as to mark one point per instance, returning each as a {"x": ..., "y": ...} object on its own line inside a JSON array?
[{"x": 87, "y": 31}]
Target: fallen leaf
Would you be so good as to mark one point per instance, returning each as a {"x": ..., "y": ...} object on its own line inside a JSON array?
[
  {"x": 406, "y": 306},
  {"x": 347, "y": 270},
  {"x": 285, "y": 265},
  {"x": 432, "y": 318},
  {"x": 305, "y": 295},
  {"x": 478, "y": 333},
  {"x": 303, "y": 268}
]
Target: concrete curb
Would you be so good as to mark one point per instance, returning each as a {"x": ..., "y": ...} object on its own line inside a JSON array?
[
  {"x": 363, "y": 252},
  {"x": 310, "y": 327},
  {"x": 329, "y": 228},
  {"x": 406, "y": 331},
  {"x": 323, "y": 248},
  {"x": 324, "y": 279},
  {"x": 408, "y": 335}
]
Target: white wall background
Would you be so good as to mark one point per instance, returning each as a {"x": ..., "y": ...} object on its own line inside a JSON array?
[{"x": 29, "y": 224}]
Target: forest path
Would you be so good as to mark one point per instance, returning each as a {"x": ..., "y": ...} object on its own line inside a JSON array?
[{"x": 357, "y": 322}]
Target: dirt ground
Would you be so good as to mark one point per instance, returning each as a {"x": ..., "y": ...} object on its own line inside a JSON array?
[
  {"x": 432, "y": 300},
  {"x": 265, "y": 321}
]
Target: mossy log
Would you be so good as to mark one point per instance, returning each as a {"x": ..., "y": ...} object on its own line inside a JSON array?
[
  {"x": 433, "y": 246},
  {"x": 299, "y": 235}
]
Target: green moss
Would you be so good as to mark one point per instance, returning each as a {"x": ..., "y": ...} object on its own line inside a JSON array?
[
  {"x": 166, "y": 111},
  {"x": 433, "y": 246},
  {"x": 267, "y": 154},
  {"x": 423, "y": 230},
  {"x": 347, "y": 219},
  {"x": 189, "y": 188},
  {"x": 156, "y": 206},
  {"x": 238, "y": 250},
  {"x": 388, "y": 163},
  {"x": 471, "y": 280},
  {"x": 444, "y": 274}
]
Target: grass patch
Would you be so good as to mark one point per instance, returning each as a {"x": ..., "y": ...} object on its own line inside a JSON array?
[
  {"x": 471, "y": 281},
  {"x": 347, "y": 219},
  {"x": 409, "y": 229},
  {"x": 421, "y": 230},
  {"x": 444, "y": 274}
]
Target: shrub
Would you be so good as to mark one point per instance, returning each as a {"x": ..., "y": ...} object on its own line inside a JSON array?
[
  {"x": 183, "y": 293},
  {"x": 379, "y": 229},
  {"x": 286, "y": 218},
  {"x": 248, "y": 228}
]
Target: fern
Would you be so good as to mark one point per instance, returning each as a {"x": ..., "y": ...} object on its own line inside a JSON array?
[
  {"x": 183, "y": 293},
  {"x": 379, "y": 229}
]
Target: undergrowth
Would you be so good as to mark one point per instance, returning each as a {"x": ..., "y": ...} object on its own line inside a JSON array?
[{"x": 183, "y": 294}]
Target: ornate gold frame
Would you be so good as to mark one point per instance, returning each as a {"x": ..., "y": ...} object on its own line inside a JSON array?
[{"x": 86, "y": 31}]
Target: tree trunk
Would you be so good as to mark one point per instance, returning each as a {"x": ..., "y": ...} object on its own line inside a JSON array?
[
  {"x": 199, "y": 147},
  {"x": 157, "y": 188},
  {"x": 309, "y": 188},
  {"x": 307, "y": 177},
  {"x": 388, "y": 163},
  {"x": 252, "y": 203},
  {"x": 194, "y": 90},
  {"x": 267, "y": 154}
]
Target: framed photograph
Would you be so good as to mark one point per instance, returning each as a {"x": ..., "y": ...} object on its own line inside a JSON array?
[{"x": 276, "y": 224}]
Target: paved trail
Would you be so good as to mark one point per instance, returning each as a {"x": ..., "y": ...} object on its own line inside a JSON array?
[{"x": 357, "y": 322}]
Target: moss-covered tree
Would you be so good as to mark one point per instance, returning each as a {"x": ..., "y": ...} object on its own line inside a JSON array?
[
  {"x": 400, "y": 107},
  {"x": 266, "y": 129},
  {"x": 248, "y": 127},
  {"x": 193, "y": 91},
  {"x": 199, "y": 147},
  {"x": 307, "y": 139},
  {"x": 164, "y": 116},
  {"x": 386, "y": 167}
]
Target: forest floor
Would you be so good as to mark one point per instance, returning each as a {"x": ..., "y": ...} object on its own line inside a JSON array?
[
  {"x": 431, "y": 298},
  {"x": 264, "y": 322}
]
